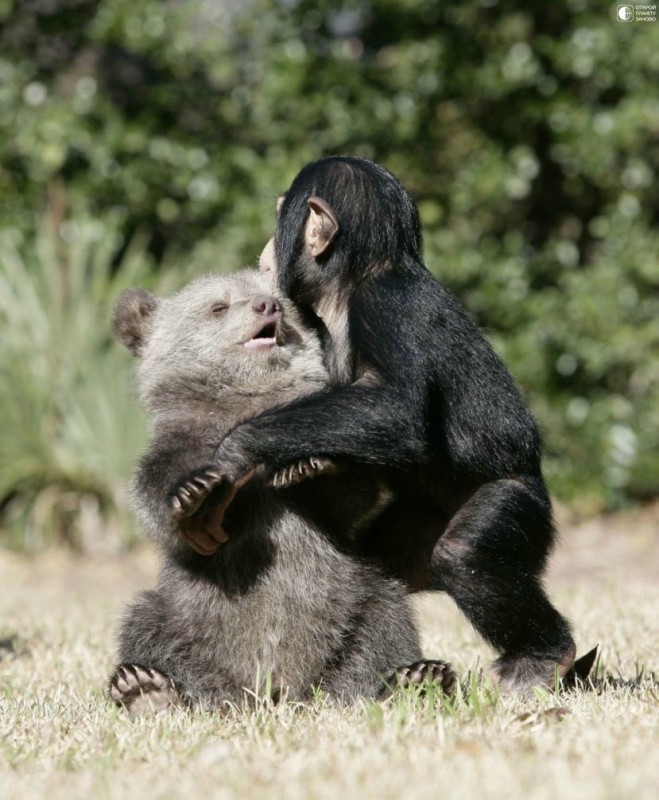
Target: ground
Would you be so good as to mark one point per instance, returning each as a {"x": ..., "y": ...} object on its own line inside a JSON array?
[{"x": 59, "y": 738}]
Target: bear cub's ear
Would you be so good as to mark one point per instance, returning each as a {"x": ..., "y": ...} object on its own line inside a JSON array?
[{"x": 130, "y": 318}]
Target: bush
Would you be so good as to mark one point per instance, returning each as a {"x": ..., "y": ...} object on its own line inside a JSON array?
[
  {"x": 70, "y": 428},
  {"x": 525, "y": 135}
]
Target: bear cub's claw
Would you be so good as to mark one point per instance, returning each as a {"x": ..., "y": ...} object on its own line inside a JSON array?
[
  {"x": 420, "y": 673},
  {"x": 301, "y": 471},
  {"x": 141, "y": 690},
  {"x": 189, "y": 494}
]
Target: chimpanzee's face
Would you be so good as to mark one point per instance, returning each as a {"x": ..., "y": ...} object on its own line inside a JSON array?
[{"x": 303, "y": 278}]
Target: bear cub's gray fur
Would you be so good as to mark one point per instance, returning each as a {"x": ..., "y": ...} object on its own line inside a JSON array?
[{"x": 283, "y": 604}]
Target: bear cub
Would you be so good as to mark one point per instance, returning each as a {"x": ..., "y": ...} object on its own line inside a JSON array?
[{"x": 284, "y": 604}]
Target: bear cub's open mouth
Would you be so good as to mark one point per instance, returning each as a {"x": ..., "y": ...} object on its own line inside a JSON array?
[{"x": 265, "y": 338}]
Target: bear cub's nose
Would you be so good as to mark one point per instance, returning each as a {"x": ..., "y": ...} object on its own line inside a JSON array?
[{"x": 266, "y": 305}]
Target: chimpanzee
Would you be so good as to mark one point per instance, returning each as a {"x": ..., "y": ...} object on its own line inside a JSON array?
[{"x": 419, "y": 393}]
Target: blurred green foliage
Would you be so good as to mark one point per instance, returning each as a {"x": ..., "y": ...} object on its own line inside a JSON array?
[{"x": 526, "y": 132}]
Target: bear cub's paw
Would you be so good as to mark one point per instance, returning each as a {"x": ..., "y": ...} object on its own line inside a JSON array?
[
  {"x": 302, "y": 471},
  {"x": 420, "y": 673},
  {"x": 141, "y": 690},
  {"x": 188, "y": 494}
]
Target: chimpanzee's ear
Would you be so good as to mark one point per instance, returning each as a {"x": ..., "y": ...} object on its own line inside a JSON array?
[
  {"x": 321, "y": 228},
  {"x": 280, "y": 203},
  {"x": 132, "y": 311}
]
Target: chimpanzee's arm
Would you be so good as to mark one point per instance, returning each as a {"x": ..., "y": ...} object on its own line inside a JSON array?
[
  {"x": 385, "y": 423},
  {"x": 373, "y": 425},
  {"x": 442, "y": 393}
]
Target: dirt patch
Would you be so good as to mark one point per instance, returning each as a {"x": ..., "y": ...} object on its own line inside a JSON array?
[{"x": 623, "y": 545}]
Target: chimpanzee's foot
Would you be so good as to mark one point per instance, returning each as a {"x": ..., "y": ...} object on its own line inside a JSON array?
[
  {"x": 141, "y": 690},
  {"x": 301, "y": 471},
  {"x": 438, "y": 672},
  {"x": 517, "y": 674},
  {"x": 579, "y": 672}
]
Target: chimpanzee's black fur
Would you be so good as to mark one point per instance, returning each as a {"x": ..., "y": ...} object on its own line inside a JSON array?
[{"x": 419, "y": 391}]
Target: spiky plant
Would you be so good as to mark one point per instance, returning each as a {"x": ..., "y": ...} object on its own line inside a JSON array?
[{"x": 69, "y": 425}]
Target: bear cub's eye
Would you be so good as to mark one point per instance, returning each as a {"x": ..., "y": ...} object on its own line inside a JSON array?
[{"x": 218, "y": 308}]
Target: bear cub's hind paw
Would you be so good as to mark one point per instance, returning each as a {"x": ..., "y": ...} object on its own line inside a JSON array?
[
  {"x": 141, "y": 690},
  {"x": 420, "y": 673}
]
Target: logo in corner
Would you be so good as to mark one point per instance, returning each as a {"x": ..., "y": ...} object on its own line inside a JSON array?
[{"x": 625, "y": 13}]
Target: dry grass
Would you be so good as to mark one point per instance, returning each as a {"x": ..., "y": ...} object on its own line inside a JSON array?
[{"x": 60, "y": 739}]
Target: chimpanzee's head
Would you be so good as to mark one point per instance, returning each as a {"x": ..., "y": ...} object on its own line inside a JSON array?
[{"x": 342, "y": 219}]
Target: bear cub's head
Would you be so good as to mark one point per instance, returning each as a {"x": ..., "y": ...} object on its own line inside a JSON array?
[{"x": 220, "y": 335}]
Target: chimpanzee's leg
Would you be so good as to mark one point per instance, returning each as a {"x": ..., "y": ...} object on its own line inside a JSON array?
[{"x": 490, "y": 560}]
